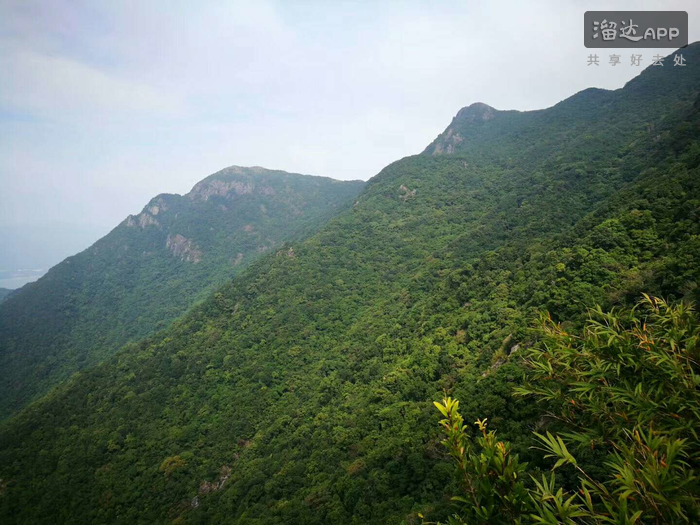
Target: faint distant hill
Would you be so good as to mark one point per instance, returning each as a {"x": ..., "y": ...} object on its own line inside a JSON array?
[
  {"x": 151, "y": 268},
  {"x": 4, "y": 292}
]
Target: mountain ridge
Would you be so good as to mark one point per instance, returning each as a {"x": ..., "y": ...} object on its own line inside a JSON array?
[
  {"x": 469, "y": 131},
  {"x": 158, "y": 262}
]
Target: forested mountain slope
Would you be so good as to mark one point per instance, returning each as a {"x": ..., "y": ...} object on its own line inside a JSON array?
[
  {"x": 301, "y": 392},
  {"x": 150, "y": 269}
]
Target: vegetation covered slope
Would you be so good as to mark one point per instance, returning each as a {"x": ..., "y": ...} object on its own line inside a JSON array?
[
  {"x": 150, "y": 269},
  {"x": 623, "y": 389},
  {"x": 301, "y": 392}
]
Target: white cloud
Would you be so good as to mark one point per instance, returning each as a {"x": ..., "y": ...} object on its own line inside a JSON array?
[{"x": 60, "y": 89}]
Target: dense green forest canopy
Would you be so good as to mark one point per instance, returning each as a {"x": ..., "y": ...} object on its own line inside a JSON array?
[
  {"x": 623, "y": 393},
  {"x": 150, "y": 269},
  {"x": 302, "y": 390}
]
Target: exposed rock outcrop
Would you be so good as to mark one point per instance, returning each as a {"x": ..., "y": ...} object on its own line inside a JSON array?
[
  {"x": 406, "y": 193},
  {"x": 183, "y": 248},
  {"x": 477, "y": 112},
  {"x": 207, "y": 487},
  {"x": 448, "y": 142},
  {"x": 209, "y": 188},
  {"x": 146, "y": 219}
]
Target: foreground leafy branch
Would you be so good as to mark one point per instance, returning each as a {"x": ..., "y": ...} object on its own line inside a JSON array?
[
  {"x": 490, "y": 479},
  {"x": 629, "y": 386}
]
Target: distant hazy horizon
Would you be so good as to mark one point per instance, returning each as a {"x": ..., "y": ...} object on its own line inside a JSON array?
[{"x": 35, "y": 248}]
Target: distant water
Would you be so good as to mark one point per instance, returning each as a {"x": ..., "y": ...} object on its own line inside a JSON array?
[{"x": 13, "y": 279}]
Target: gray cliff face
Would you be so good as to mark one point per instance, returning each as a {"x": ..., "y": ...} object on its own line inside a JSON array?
[
  {"x": 473, "y": 115},
  {"x": 477, "y": 112},
  {"x": 183, "y": 248}
]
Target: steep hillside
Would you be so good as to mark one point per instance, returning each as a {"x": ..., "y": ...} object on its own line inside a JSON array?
[
  {"x": 150, "y": 269},
  {"x": 301, "y": 392}
]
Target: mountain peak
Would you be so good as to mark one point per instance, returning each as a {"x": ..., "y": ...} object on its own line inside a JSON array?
[
  {"x": 244, "y": 170},
  {"x": 233, "y": 179},
  {"x": 243, "y": 180},
  {"x": 478, "y": 111},
  {"x": 468, "y": 117},
  {"x": 152, "y": 268}
]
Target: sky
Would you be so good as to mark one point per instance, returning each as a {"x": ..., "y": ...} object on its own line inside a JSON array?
[{"x": 104, "y": 105}]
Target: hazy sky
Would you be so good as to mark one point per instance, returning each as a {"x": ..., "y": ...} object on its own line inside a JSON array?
[{"x": 106, "y": 104}]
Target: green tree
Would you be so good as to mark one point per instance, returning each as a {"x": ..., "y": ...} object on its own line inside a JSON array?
[{"x": 627, "y": 385}]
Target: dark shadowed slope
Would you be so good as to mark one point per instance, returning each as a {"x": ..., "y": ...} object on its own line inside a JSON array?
[{"x": 150, "y": 269}]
